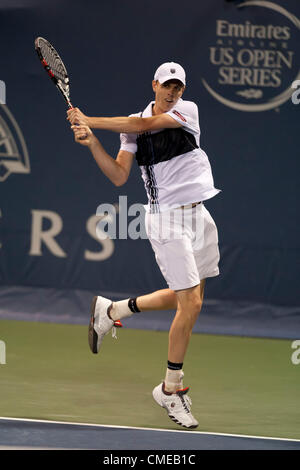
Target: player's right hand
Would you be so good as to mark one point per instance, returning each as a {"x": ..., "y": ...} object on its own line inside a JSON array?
[
  {"x": 83, "y": 134},
  {"x": 75, "y": 116}
]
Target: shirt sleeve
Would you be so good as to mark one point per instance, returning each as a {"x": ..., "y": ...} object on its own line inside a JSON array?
[
  {"x": 128, "y": 142},
  {"x": 186, "y": 113}
]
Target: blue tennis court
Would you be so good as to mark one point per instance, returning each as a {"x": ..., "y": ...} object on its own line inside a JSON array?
[{"x": 38, "y": 434}]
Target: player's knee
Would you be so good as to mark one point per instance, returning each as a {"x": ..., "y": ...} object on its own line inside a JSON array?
[
  {"x": 190, "y": 310},
  {"x": 198, "y": 305},
  {"x": 195, "y": 311},
  {"x": 194, "y": 305}
]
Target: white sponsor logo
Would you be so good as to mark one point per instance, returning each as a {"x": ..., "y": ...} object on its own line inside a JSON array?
[
  {"x": 253, "y": 61},
  {"x": 42, "y": 237},
  {"x": 14, "y": 156}
]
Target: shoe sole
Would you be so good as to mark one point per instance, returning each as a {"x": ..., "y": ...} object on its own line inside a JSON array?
[
  {"x": 193, "y": 426},
  {"x": 92, "y": 335}
]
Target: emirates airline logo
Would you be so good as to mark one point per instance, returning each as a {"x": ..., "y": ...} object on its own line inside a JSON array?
[
  {"x": 14, "y": 156},
  {"x": 253, "y": 60}
]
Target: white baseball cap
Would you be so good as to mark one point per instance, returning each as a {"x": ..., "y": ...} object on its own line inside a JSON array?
[{"x": 170, "y": 71}]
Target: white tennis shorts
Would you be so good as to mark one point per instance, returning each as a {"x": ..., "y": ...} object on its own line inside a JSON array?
[{"x": 185, "y": 243}]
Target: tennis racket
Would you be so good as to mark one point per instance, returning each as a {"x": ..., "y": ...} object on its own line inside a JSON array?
[{"x": 54, "y": 67}]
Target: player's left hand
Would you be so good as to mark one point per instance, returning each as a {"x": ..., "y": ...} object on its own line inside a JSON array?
[
  {"x": 83, "y": 134},
  {"x": 75, "y": 116}
]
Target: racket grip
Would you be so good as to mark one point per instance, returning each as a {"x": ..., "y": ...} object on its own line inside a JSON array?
[{"x": 70, "y": 106}]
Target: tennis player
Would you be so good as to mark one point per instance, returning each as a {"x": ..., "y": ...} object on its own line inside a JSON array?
[{"x": 165, "y": 140}]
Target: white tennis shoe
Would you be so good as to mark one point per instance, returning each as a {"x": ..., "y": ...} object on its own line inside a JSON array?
[
  {"x": 177, "y": 405},
  {"x": 100, "y": 323}
]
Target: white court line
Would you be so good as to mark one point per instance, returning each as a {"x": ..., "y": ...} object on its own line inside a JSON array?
[{"x": 147, "y": 429}]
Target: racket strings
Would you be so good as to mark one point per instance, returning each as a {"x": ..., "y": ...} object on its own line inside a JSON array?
[{"x": 55, "y": 63}]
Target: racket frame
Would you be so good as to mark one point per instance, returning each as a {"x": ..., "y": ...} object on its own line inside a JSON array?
[{"x": 47, "y": 67}]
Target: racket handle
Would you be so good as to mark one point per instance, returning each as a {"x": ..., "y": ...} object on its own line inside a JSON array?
[{"x": 70, "y": 106}]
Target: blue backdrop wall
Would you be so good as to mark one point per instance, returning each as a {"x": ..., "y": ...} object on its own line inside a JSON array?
[{"x": 241, "y": 60}]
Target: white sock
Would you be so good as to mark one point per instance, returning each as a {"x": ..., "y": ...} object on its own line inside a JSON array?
[
  {"x": 173, "y": 380},
  {"x": 120, "y": 310}
]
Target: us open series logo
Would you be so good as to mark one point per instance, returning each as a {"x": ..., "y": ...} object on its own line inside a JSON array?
[{"x": 252, "y": 61}]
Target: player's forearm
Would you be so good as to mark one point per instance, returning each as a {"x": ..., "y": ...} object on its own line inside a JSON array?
[
  {"x": 111, "y": 169},
  {"x": 118, "y": 124}
]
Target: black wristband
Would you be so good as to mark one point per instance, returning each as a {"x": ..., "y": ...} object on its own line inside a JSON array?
[
  {"x": 175, "y": 365},
  {"x": 132, "y": 305}
]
